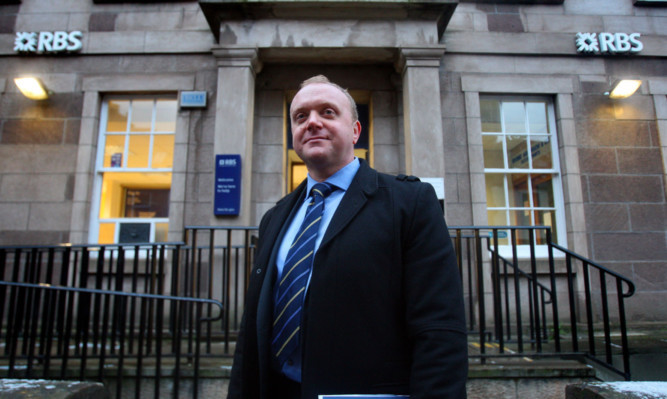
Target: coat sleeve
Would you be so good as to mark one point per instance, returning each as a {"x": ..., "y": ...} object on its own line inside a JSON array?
[
  {"x": 435, "y": 313},
  {"x": 244, "y": 381}
]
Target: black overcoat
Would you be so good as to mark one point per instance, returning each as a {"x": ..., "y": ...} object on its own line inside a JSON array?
[{"x": 384, "y": 309}]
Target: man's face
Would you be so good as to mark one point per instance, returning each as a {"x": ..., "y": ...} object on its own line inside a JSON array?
[{"x": 323, "y": 131}]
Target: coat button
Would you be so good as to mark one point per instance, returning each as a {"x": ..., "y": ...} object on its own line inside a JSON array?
[{"x": 259, "y": 271}]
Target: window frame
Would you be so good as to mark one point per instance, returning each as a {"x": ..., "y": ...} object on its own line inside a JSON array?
[
  {"x": 523, "y": 251},
  {"x": 100, "y": 169}
]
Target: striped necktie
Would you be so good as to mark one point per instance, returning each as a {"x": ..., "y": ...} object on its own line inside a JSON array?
[{"x": 291, "y": 287}]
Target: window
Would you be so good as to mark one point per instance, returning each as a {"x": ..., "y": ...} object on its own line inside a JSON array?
[
  {"x": 521, "y": 169},
  {"x": 133, "y": 171}
]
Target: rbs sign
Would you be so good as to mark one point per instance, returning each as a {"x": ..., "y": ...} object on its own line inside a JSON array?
[
  {"x": 48, "y": 42},
  {"x": 608, "y": 43}
]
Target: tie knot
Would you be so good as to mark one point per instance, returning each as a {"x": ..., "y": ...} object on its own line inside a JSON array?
[{"x": 321, "y": 190}]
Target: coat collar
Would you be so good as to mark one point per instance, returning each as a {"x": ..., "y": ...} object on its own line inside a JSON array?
[{"x": 363, "y": 186}]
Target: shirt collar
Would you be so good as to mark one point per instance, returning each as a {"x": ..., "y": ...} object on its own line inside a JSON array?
[{"x": 341, "y": 179}]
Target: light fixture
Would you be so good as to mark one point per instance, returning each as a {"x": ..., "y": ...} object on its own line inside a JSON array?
[
  {"x": 32, "y": 88},
  {"x": 624, "y": 88}
]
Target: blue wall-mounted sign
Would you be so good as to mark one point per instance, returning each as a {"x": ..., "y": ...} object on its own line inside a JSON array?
[
  {"x": 193, "y": 99},
  {"x": 227, "y": 184}
]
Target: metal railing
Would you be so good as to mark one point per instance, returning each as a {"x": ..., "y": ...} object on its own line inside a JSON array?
[
  {"x": 55, "y": 332},
  {"x": 515, "y": 279},
  {"x": 217, "y": 263},
  {"x": 525, "y": 296},
  {"x": 517, "y": 283},
  {"x": 118, "y": 306}
]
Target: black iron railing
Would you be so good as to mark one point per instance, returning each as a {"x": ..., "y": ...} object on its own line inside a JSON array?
[
  {"x": 217, "y": 263},
  {"x": 525, "y": 296},
  {"x": 120, "y": 307},
  {"x": 55, "y": 332}
]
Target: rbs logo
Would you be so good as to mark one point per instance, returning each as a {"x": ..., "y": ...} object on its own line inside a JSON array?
[
  {"x": 48, "y": 42},
  {"x": 608, "y": 43}
]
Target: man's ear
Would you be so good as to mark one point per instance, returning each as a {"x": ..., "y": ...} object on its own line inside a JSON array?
[{"x": 357, "y": 131}]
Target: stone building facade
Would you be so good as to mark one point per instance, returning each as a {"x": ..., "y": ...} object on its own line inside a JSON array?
[{"x": 497, "y": 103}]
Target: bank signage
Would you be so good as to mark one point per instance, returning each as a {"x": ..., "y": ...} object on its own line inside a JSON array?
[
  {"x": 193, "y": 99},
  {"x": 227, "y": 184},
  {"x": 48, "y": 42},
  {"x": 608, "y": 43}
]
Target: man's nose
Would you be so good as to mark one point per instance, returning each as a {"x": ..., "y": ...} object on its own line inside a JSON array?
[{"x": 313, "y": 120}]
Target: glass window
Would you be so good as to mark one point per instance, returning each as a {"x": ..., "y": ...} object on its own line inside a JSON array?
[
  {"x": 521, "y": 173},
  {"x": 134, "y": 169}
]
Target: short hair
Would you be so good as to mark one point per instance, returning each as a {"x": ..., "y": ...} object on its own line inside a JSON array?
[{"x": 325, "y": 80}]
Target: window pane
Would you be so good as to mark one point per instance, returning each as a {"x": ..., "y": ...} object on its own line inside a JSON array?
[
  {"x": 515, "y": 117},
  {"x": 537, "y": 117},
  {"x": 495, "y": 190},
  {"x": 117, "y": 116},
  {"x": 142, "y": 112},
  {"x": 545, "y": 218},
  {"x": 543, "y": 192},
  {"x": 499, "y": 218},
  {"x": 493, "y": 151},
  {"x": 107, "y": 233},
  {"x": 138, "y": 151},
  {"x": 518, "y": 190},
  {"x": 540, "y": 150},
  {"x": 517, "y": 152},
  {"x": 161, "y": 232},
  {"x": 146, "y": 203},
  {"x": 163, "y": 151},
  {"x": 520, "y": 217},
  {"x": 111, "y": 201},
  {"x": 490, "y": 111},
  {"x": 165, "y": 116},
  {"x": 114, "y": 147}
]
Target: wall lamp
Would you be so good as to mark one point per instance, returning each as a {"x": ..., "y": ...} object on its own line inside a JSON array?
[
  {"x": 624, "y": 88},
  {"x": 32, "y": 88}
]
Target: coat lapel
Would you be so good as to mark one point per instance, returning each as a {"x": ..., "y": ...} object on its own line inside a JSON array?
[
  {"x": 276, "y": 225},
  {"x": 364, "y": 185}
]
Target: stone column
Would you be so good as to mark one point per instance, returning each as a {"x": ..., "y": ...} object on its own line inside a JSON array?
[
  {"x": 422, "y": 116},
  {"x": 235, "y": 104}
]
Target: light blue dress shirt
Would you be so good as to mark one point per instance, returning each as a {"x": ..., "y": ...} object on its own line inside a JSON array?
[{"x": 341, "y": 180}]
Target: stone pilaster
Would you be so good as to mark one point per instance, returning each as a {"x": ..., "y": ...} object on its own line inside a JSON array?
[
  {"x": 235, "y": 103},
  {"x": 424, "y": 150}
]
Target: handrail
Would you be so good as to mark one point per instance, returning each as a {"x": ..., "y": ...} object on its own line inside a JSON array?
[
  {"x": 49, "y": 323},
  {"x": 504, "y": 324},
  {"x": 631, "y": 285},
  {"x": 119, "y": 293}
]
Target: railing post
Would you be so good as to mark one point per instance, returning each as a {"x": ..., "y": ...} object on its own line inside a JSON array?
[
  {"x": 517, "y": 292},
  {"x": 571, "y": 297},
  {"x": 554, "y": 294},
  {"x": 495, "y": 284},
  {"x": 480, "y": 293},
  {"x": 624, "y": 332},
  {"x": 536, "y": 307}
]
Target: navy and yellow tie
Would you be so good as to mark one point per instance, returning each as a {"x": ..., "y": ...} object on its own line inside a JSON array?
[{"x": 291, "y": 286}]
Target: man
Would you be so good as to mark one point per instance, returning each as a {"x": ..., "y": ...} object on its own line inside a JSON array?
[{"x": 379, "y": 306}]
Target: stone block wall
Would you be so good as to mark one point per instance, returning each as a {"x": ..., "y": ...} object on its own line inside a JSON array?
[
  {"x": 38, "y": 147},
  {"x": 624, "y": 192},
  {"x": 48, "y": 148},
  {"x": 612, "y": 154}
]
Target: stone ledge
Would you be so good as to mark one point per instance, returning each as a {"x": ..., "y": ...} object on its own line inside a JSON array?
[
  {"x": 38, "y": 389},
  {"x": 617, "y": 390}
]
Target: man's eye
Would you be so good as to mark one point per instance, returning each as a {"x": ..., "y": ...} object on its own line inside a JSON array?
[{"x": 329, "y": 111}]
